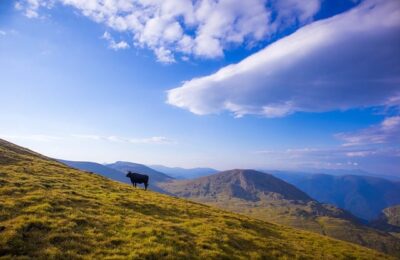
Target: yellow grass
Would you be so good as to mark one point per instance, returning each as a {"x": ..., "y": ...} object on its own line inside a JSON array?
[{"x": 50, "y": 211}]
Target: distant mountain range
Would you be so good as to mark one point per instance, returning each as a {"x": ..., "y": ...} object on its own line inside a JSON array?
[
  {"x": 364, "y": 196},
  {"x": 334, "y": 172},
  {"x": 155, "y": 176},
  {"x": 117, "y": 171},
  {"x": 266, "y": 197},
  {"x": 97, "y": 168},
  {"x": 182, "y": 173}
]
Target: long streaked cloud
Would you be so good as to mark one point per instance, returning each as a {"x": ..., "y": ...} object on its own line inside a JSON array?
[
  {"x": 367, "y": 158},
  {"x": 32, "y": 137},
  {"x": 386, "y": 132},
  {"x": 113, "y": 138},
  {"x": 374, "y": 146},
  {"x": 331, "y": 153},
  {"x": 202, "y": 28},
  {"x": 351, "y": 60},
  {"x": 92, "y": 137}
]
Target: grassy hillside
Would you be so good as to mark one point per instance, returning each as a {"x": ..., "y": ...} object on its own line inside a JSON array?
[
  {"x": 267, "y": 198},
  {"x": 389, "y": 220},
  {"x": 51, "y": 211}
]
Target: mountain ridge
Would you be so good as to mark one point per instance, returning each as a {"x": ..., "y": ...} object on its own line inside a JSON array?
[
  {"x": 364, "y": 196},
  {"x": 97, "y": 168},
  {"x": 247, "y": 183},
  {"x": 51, "y": 211},
  {"x": 184, "y": 173},
  {"x": 272, "y": 199},
  {"x": 124, "y": 166}
]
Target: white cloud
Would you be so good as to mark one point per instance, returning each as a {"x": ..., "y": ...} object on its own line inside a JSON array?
[
  {"x": 152, "y": 140},
  {"x": 112, "y": 44},
  {"x": 290, "y": 11},
  {"x": 91, "y": 137},
  {"x": 347, "y": 61},
  {"x": 164, "y": 55},
  {"x": 202, "y": 28},
  {"x": 86, "y": 136},
  {"x": 32, "y": 137},
  {"x": 372, "y": 159},
  {"x": 360, "y": 153},
  {"x": 375, "y": 148},
  {"x": 2, "y": 33},
  {"x": 147, "y": 140},
  {"x": 31, "y": 7},
  {"x": 386, "y": 132}
]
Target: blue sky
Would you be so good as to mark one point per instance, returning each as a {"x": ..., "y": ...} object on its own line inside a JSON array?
[{"x": 226, "y": 84}]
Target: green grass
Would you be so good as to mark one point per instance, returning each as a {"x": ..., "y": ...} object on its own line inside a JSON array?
[
  {"x": 266, "y": 198},
  {"x": 50, "y": 211},
  {"x": 300, "y": 216}
]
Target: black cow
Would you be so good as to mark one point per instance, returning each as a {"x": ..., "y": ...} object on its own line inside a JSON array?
[{"x": 138, "y": 178}]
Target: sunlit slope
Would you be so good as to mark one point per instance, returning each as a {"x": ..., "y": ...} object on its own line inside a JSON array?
[
  {"x": 392, "y": 215},
  {"x": 389, "y": 220},
  {"x": 48, "y": 210},
  {"x": 267, "y": 198}
]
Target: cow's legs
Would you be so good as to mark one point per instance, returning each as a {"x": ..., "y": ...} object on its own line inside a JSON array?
[{"x": 145, "y": 185}]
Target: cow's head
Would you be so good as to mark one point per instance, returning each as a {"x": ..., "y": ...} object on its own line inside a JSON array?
[{"x": 129, "y": 174}]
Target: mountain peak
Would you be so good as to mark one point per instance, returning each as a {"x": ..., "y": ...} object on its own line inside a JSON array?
[
  {"x": 155, "y": 176},
  {"x": 241, "y": 183}
]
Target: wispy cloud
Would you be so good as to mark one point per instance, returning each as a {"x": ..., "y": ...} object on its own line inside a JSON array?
[
  {"x": 200, "y": 28},
  {"x": 31, "y": 7},
  {"x": 386, "y": 132},
  {"x": 152, "y": 140},
  {"x": 111, "y": 138},
  {"x": 333, "y": 157},
  {"x": 33, "y": 137},
  {"x": 334, "y": 64},
  {"x": 3, "y": 33},
  {"x": 327, "y": 153},
  {"x": 112, "y": 44},
  {"x": 376, "y": 147}
]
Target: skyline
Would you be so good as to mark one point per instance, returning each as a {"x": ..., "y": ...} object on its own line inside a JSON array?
[{"x": 168, "y": 82}]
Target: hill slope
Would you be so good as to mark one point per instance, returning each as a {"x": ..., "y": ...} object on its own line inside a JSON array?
[
  {"x": 393, "y": 215},
  {"x": 51, "y": 211},
  {"x": 389, "y": 220},
  {"x": 364, "y": 196},
  {"x": 268, "y": 198}
]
